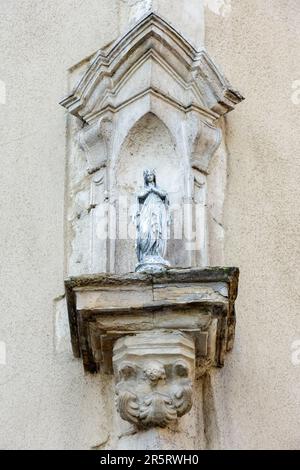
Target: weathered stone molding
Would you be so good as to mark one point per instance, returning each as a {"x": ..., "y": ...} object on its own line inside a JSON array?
[
  {"x": 105, "y": 307},
  {"x": 152, "y": 68},
  {"x": 190, "y": 77}
]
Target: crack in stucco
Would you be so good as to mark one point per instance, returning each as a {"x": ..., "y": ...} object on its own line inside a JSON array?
[
  {"x": 2, "y": 92},
  {"x": 135, "y": 2}
]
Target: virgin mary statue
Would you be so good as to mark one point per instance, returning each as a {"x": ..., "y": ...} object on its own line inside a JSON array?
[{"x": 152, "y": 226}]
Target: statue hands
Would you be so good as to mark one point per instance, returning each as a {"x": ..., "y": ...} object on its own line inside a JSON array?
[
  {"x": 155, "y": 190},
  {"x": 144, "y": 193},
  {"x": 159, "y": 192},
  {"x": 152, "y": 189}
]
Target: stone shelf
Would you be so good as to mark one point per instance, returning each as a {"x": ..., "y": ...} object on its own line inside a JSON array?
[{"x": 198, "y": 303}]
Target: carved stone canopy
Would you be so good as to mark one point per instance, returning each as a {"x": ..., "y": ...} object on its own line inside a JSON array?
[
  {"x": 159, "y": 61},
  {"x": 151, "y": 69},
  {"x": 197, "y": 302}
]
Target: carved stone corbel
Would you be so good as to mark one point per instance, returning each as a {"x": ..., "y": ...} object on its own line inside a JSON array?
[
  {"x": 204, "y": 139},
  {"x": 95, "y": 141},
  {"x": 154, "y": 377}
]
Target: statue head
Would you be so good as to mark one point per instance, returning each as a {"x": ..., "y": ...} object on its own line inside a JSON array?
[{"x": 150, "y": 177}]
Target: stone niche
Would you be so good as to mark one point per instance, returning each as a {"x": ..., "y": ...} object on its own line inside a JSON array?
[
  {"x": 149, "y": 100},
  {"x": 148, "y": 142}
]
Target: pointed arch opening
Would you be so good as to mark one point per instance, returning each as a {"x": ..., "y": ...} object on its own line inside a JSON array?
[{"x": 149, "y": 144}]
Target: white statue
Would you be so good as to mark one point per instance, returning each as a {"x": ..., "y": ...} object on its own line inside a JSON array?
[{"x": 152, "y": 226}]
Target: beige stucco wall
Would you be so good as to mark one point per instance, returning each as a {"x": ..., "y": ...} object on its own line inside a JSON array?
[
  {"x": 45, "y": 400},
  {"x": 257, "y": 45}
]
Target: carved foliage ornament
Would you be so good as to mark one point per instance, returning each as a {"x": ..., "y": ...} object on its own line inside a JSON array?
[
  {"x": 154, "y": 391},
  {"x": 161, "y": 394}
]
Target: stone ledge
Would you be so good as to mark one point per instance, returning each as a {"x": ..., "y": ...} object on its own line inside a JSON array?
[{"x": 105, "y": 307}]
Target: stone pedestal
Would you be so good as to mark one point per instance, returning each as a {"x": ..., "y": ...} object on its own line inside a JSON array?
[
  {"x": 157, "y": 333},
  {"x": 152, "y": 98}
]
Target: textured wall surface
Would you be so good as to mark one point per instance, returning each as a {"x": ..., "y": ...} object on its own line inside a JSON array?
[
  {"x": 45, "y": 399},
  {"x": 257, "y": 45}
]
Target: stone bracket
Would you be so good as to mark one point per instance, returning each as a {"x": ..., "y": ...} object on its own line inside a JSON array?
[
  {"x": 95, "y": 140},
  {"x": 154, "y": 377},
  {"x": 197, "y": 302}
]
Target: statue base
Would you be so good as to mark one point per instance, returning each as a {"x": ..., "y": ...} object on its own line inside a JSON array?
[
  {"x": 152, "y": 264},
  {"x": 196, "y": 302}
]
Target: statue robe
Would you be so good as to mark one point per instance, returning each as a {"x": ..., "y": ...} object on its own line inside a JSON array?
[{"x": 152, "y": 225}]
